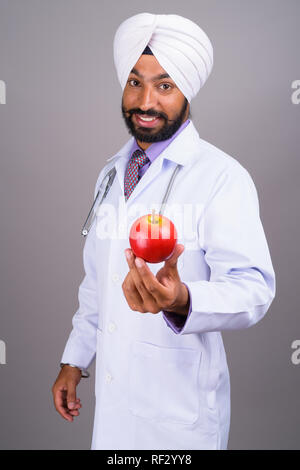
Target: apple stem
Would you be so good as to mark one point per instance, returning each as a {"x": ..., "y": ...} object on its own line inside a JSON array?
[{"x": 153, "y": 213}]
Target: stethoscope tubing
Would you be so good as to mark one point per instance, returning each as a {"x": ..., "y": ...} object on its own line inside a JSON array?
[{"x": 111, "y": 174}]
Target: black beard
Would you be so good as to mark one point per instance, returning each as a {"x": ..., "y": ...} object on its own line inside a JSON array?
[{"x": 166, "y": 132}]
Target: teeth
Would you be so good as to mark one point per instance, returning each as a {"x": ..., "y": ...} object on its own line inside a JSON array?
[{"x": 147, "y": 119}]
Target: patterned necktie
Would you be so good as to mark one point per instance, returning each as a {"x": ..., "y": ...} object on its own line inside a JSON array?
[{"x": 138, "y": 159}]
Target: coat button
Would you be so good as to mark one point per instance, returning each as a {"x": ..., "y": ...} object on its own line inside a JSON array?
[
  {"x": 115, "y": 277},
  {"x": 108, "y": 378},
  {"x": 111, "y": 327}
]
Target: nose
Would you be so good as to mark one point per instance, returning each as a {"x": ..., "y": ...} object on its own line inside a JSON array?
[{"x": 147, "y": 99}]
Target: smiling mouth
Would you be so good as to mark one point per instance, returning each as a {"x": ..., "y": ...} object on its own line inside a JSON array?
[{"x": 146, "y": 121}]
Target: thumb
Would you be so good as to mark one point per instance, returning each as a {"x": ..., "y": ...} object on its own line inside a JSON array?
[
  {"x": 171, "y": 262},
  {"x": 71, "y": 394}
]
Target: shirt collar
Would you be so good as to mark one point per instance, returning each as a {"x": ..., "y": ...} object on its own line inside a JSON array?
[
  {"x": 156, "y": 148},
  {"x": 194, "y": 146}
]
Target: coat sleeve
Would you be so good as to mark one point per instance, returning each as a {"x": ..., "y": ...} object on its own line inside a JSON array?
[
  {"x": 241, "y": 287},
  {"x": 80, "y": 348}
]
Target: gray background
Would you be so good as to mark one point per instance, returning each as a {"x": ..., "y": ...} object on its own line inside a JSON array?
[{"x": 62, "y": 120}]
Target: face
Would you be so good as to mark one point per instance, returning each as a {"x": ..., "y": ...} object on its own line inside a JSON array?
[{"x": 153, "y": 107}]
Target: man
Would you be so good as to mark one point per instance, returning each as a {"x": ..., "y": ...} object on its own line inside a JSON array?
[{"x": 162, "y": 380}]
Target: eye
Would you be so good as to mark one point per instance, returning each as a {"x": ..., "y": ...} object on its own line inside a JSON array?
[
  {"x": 132, "y": 80},
  {"x": 165, "y": 85}
]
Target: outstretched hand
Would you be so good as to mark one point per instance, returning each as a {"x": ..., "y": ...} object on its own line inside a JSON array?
[{"x": 147, "y": 293}]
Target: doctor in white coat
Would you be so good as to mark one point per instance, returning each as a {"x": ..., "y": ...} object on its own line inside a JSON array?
[{"x": 162, "y": 380}]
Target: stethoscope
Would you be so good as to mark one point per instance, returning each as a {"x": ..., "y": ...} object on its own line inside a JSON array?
[{"x": 111, "y": 176}]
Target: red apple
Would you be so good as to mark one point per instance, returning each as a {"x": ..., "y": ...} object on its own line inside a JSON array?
[{"x": 153, "y": 237}]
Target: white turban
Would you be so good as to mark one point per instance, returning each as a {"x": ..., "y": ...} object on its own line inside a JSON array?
[{"x": 181, "y": 47}]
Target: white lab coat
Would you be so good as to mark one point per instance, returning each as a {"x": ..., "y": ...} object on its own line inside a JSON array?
[{"x": 157, "y": 387}]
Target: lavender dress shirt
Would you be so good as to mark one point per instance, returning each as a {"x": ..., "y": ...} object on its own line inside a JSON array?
[{"x": 153, "y": 151}]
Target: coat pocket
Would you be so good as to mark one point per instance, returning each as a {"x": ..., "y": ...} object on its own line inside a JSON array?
[{"x": 163, "y": 383}]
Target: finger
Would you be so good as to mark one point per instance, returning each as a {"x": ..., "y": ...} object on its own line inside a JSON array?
[
  {"x": 130, "y": 258},
  {"x": 134, "y": 274},
  {"x": 148, "y": 300},
  {"x": 132, "y": 295},
  {"x": 171, "y": 262},
  {"x": 77, "y": 403},
  {"x": 71, "y": 394},
  {"x": 74, "y": 413},
  {"x": 137, "y": 274},
  {"x": 76, "y": 407},
  {"x": 159, "y": 293},
  {"x": 59, "y": 402}
]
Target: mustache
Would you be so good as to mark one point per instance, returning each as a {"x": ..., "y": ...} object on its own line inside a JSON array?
[{"x": 150, "y": 113}]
